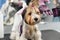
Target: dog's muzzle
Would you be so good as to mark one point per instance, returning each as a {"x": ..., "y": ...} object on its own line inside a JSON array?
[
  {"x": 36, "y": 19},
  {"x": 28, "y": 39}
]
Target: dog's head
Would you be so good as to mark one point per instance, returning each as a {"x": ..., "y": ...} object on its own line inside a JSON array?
[{"x": 31, "y": 15}]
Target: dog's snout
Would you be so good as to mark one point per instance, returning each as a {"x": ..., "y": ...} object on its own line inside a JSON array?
[{"x": 35, "y": 19}]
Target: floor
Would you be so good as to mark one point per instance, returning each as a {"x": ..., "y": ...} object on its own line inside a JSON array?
[{"x": 46, "y": 35}]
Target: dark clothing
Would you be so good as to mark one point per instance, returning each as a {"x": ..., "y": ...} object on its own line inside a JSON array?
[{"x": 56, "y": 12}]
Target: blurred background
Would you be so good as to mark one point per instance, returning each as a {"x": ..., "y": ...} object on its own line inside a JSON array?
[{"x": 49, "y": 25}]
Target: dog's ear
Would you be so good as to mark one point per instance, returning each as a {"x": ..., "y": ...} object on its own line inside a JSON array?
[
  {"x": 40, "y": 10},
  {"x": 23, "y": 13}
]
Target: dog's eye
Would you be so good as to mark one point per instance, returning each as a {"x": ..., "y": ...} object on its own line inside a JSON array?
[
  {"x": 29, "y": 14},
  {"x": 38, "y": 12}
]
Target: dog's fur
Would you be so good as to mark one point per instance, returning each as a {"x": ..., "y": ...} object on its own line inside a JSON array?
[{"x": 31, "y": 16}]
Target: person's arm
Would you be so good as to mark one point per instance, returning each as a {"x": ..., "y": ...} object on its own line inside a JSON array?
[
  {"x": 17, "y": 23},
  {"x": 15, "y": 28}
]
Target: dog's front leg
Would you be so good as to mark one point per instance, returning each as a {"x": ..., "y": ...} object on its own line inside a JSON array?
[
  {"x": 23, "y": 37},
  {"x": 38, "y": 36}
]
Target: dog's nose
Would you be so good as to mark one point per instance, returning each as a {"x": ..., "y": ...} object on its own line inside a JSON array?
[{"x": 35, "y": 19}]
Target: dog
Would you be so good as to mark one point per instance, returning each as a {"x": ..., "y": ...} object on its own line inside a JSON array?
[{"x": 31, "y": 16}]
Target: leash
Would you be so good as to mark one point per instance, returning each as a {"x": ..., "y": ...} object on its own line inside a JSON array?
[{"x": 21, "y": 27}]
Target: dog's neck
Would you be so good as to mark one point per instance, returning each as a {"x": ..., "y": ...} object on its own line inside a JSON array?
[
  {"x": 30, "y": 31},
  {"x": 30, "y": 27}
]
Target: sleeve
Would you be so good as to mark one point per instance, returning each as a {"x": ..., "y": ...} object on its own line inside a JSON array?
[
  {"x": 17, "y": 22},
  {"x": 17, "y": 19},
  {"x": 15, "y": 29}
]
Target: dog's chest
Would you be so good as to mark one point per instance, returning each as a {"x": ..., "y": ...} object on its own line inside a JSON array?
[{"x": 30, "y": 32}]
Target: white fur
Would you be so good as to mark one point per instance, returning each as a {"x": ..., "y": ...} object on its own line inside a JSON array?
[
  {"x": 16, "y": 31},
  {"x": 16, "y": 28},
  {"x": 37, "y": 34}
]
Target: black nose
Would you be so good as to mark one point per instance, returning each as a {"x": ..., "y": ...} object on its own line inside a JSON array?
[{"x": 35, "y": 19}]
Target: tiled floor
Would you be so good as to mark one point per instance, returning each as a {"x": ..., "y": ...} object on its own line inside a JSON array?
[{"x": 46, "y": 35}]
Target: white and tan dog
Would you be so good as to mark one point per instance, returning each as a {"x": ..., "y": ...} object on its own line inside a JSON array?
[
  {"x": 31, "y": 16},
  {"x": 30, "y": 29}
]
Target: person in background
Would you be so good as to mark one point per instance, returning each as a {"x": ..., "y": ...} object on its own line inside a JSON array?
[
  {"x": 18, "y": 21},
  {"x": 56, "y": 11}
]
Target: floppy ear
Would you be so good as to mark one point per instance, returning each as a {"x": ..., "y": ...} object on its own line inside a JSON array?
[
  {"x": 23, "y": 13},
  {"x": 40, "y": 10}
]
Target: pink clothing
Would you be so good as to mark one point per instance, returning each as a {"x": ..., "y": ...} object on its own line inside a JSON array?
[
  {"x": 42, "y": 2},
  {"x": 43, "y": 7}
]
